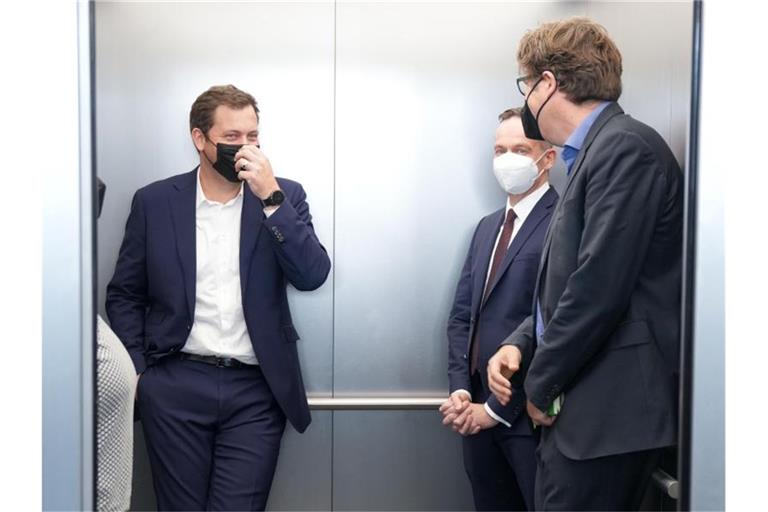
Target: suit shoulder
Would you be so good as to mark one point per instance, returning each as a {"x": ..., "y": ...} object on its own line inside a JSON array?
[
  {"x": 161, "y": 187},
  {"x": 491, "y": 219},
  {"x": 628, "y": 128}
]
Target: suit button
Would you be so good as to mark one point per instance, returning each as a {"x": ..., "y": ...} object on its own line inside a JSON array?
[
  {"x": 189, "y": 327},
  {"x": 464, "y": 356}
]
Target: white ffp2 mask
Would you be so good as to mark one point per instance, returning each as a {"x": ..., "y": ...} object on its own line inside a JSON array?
[{"x": 516, "y": 173}]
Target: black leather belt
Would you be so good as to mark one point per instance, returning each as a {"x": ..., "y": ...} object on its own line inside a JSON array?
[{"x": 219, "y": 362}]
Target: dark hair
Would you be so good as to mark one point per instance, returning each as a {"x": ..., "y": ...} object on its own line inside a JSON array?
[{"x": 201, "y": 114}]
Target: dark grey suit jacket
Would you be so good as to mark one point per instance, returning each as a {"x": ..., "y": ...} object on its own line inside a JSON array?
[{"x": 609, "y": 288}]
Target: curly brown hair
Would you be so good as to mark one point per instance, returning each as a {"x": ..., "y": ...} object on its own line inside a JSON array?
[{"x": 581, "y": 55}]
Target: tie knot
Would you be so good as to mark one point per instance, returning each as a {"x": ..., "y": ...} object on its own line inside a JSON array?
[{"x": 511, "y": 216}]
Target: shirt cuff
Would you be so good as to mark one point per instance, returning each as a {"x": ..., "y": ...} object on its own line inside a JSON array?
[
  {"x": 269, "y": 210},
  {"x": 496, "y": 416},
  {"x": 463, "y": 391}
]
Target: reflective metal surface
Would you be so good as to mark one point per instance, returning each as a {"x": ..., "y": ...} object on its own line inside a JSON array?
[
  {"x": 397, "y": 460},
  {"x": 303, "y": 480},
  {"x": 372, "y": 404},
  {"x": 418, "y": 90},
  {"x": 68, "y": 311},
  {"x": 666, "y": 483},
  {"x": 386, "y": 113}
]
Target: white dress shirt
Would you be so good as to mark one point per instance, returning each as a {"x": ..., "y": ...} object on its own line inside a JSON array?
[
  {"x": 522, "y": 209},
  {"x": 219, "y": 325}
]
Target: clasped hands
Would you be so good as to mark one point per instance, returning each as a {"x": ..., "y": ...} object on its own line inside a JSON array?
[{"x": 468, "y": 418}]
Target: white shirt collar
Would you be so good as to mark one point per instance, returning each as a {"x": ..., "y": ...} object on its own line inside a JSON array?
[
  {"x": 528, "y": 203},
  {"x": 200, "y": 196}
]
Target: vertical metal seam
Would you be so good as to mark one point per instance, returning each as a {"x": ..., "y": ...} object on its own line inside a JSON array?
[
  {"x": 687, "y": 306},
  {"x": 333, "y": 288},
  {"x": 86, "y": 234}
]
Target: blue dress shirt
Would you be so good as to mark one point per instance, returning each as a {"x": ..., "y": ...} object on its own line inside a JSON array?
[{"x": 571, "y": 150}]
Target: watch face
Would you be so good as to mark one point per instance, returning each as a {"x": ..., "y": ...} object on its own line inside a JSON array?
[{"x": 276, "y": 198}]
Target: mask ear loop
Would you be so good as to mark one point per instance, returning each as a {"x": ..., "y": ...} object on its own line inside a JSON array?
[
  {"x": 545, "y": 101},
  {"x": 539, "y": 159},
  {"x": 205, "y": 154}
]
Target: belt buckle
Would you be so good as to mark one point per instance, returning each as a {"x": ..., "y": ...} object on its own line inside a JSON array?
[{"x": 220, "y": 362}]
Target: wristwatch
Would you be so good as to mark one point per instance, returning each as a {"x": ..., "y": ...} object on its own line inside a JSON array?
[{"x": 275, "y": 199}]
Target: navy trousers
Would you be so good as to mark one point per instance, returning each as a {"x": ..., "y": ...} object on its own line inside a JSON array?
[
  {"x": 213, "y": 435},
  {"x": 501, "y": 466}
]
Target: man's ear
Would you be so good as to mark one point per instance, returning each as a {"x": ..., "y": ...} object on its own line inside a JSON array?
[
  {"x": 198, "y": 139},
  {"x": 549, "y": 158},
  {"x": 550, "y": 81}
]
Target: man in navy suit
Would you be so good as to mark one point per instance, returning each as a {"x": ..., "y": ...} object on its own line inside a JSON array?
[
  {"x": 495, "y": 294},
  {"x": 199, "y": 300}
]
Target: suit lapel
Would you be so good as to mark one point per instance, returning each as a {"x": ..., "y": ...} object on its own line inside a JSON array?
[
  {"x": 183, "y": 212},
  {"x": 537, "y": 215},
  {"x": 610, "y": 111},
  {"x": 250, "y": 227},
  {"x": 484, "y": 256}
]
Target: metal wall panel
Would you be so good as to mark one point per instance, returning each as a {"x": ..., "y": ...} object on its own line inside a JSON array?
[
  {"x": 68, "y": 327},
  {"x": 419, "y": 86},
  {"x": 303, "y": 480},
  {"x": 397, "y": 460}
]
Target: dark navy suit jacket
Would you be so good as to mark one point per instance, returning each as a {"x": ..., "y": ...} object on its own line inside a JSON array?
[
  {"x": 151, "y": 297},
  {"x": 609, "y": 288},
  {"x": 509, "y": 303}
]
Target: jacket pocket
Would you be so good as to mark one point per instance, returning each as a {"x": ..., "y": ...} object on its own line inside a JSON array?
[
  {"x": 290, "y": 334},
  {"x": 629, "y": 334}
]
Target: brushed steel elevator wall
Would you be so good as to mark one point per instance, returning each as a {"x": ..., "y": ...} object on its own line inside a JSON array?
[{"x": 386, "y": 113}]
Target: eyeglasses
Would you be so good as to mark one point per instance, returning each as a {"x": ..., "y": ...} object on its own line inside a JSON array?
[{"x": 522, "y": 86}]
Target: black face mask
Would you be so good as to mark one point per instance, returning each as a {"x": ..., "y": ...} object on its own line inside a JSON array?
[
  {"x": 531, "y": 123},
  {"x": 225, "y": 160}
]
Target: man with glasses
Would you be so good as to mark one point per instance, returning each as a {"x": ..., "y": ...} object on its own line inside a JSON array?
[
  {"x": 199, "y": 300},
  {"x": 598, "y": 357}
]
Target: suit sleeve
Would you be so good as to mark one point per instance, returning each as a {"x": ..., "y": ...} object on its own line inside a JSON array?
[
  {"x": 625, "y": 191},
  {"x": 458, "y": 327},
  {"x": 510, "y": 412},
  {"x": 522, "y": 338},
  {"x": 127, "y": 291},
  {"x": 303, "y": 259}
]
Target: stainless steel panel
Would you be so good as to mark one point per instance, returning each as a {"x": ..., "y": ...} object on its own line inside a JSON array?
[
  {"x": 706, "y": 486},
  {"x": 154, "y": 59},
  {"x": 68, "y": 311},
  {"x": 303, "y": 480},
  {"x": 419, "y": 86},
  {"x": 404, "y": 460}
]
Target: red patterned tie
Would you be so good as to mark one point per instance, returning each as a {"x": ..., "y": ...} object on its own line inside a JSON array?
[{"x": 498, "y": 257}]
